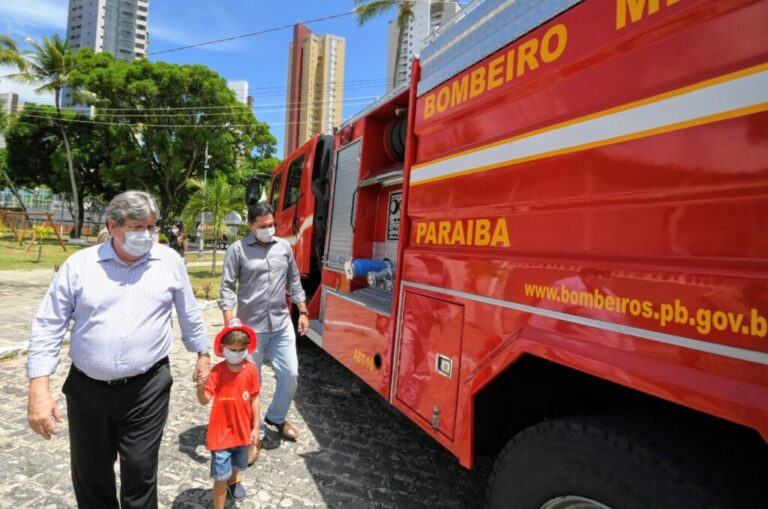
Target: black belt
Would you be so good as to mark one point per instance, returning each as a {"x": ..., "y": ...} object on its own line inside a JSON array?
[{"x": 122, "y": 381}]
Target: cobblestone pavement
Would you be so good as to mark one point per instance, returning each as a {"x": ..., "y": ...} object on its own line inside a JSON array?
[
  {"x": 20, "y": 295},
  {"x": 354, "y": 450}
]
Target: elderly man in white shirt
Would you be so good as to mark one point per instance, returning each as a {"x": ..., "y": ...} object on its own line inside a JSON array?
[{"x": 119, "y": 296}]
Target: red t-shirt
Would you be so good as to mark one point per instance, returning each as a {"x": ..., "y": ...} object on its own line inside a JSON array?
[{"x": 231, "y": 418}]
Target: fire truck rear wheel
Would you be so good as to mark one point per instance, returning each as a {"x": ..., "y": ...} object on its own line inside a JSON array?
[{"x": 594, "y": 463}]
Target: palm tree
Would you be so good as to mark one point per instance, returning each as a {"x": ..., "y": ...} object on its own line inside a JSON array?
[
  {"x": 217, "y": 198},
  {"x": 369, "y": 9},
  {"x": 9, "y": 55},
  {"x": 50, "y": 65}
]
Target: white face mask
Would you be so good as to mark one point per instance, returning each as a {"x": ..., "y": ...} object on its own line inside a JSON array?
[
  {"x": 175, "y": 231},
  {"x": 265, "y": 234},
  {"x": 234, "y": 357},
  {"x": 138, "y": 243}
]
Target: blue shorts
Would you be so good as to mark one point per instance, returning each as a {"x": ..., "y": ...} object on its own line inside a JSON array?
[{"x": 223, "y": 460}]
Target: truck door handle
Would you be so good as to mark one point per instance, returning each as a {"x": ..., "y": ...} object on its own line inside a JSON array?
[{"x": 352, "y": 210}]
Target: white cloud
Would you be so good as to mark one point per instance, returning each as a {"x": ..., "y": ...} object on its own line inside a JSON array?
[{"x": 34, "y": 13}]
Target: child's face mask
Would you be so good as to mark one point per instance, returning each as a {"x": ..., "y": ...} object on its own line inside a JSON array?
[{"x": 234, "y": 357}]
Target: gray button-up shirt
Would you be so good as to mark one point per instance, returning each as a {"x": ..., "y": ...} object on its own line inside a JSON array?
[
  {"x": 258, "y": 277},
  {"x": 121, "y": 314}
]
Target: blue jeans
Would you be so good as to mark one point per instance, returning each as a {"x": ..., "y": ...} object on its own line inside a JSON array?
[
  {"x": 280, "y": 348},
  {"x": 223, "y": 460}
]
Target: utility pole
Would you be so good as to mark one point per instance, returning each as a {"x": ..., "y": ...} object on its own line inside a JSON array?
[
  {"x": 201, "y": 227},
  {"x": 205, "y": 165}
]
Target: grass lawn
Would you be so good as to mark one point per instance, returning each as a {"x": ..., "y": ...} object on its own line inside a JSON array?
[
  {"x": 15, "y": 257},
  {"x": 191, "y": 256},
  {"x": 205, "y": 285}
]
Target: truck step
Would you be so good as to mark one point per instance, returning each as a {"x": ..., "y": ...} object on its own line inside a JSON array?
[{"x": 315, "y": 332}]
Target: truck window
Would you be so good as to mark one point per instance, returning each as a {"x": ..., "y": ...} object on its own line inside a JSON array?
[
  {"x": 294, "y": 180},
  {"x": 275, "y": 201}
]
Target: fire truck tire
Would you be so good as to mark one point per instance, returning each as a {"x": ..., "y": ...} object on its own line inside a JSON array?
[{"x": 596, "y": 463}]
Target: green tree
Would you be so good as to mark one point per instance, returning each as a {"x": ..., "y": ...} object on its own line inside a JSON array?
[
  {"x": 9, "y": 55},
  {"x": 172, "y": 115},
  {"x": 4, "y": 160},
  {"x": 37, "y": 155},
  {"x": 50, "y": 66},
  {"x": 218, "y": 198},
  {"x": 366, "y": 10}
]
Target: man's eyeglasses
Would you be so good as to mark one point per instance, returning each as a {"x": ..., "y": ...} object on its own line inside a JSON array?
[{"x": 139, "y": 228}]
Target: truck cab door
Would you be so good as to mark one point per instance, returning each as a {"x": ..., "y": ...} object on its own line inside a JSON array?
[{"x": 293, "y": 209}]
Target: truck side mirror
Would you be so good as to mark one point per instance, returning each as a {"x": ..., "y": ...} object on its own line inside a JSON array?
[{"x": 252, "y": 192}]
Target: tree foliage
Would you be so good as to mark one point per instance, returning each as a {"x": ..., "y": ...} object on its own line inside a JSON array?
[
  {"x": 218, "y": 198},
  {"x": 171, "y": 115},
  {"x": 50, "y": 66},
  {"x": 10, "y": 55},
  {"x": 153, "y": 124},
  {"x": 37, "y": 155}
]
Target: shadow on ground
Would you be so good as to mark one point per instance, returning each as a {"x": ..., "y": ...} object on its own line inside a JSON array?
[
  {"x": 191, "y": 440},
  {"x": 373, "y": 456},
  {"x": 197, "y": 498}
]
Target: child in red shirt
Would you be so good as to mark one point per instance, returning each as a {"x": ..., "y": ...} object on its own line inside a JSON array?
[{"x": 234, "y": 423}]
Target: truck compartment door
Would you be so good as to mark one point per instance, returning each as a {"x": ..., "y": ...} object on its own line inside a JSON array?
[
  {"x": 430, "y": 354},
  {"x": 345, "y": 181}
]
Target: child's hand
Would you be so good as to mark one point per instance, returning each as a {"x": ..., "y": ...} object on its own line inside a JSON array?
[
  {"x": 255, "y": 439},
  {"x": 201, "y": 379}
]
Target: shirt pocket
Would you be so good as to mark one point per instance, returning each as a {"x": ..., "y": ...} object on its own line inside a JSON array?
[{"x": 278, "y": 262}]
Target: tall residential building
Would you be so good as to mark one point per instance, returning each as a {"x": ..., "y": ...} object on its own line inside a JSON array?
[
  {"x": 315, "y": 86},
  {"x": 118, "y": 27},
  {"x": 427, "y": 17},
  {"x": 10, "y": 103},
  {"x": 240, "y": 88}
]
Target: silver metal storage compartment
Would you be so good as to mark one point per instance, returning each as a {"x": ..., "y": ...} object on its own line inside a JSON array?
[{"x": 344, "y": 187}]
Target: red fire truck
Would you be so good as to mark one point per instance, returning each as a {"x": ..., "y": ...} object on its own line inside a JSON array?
[{"x": 552, "y": 246}]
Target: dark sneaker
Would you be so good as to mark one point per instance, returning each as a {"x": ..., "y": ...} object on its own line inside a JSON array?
[{"x": 236, "y": 491}]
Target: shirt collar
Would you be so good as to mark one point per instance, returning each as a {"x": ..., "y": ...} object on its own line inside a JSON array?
[
  {"x": 107, "y": 252},
  {"x": 251, "y": 240}
]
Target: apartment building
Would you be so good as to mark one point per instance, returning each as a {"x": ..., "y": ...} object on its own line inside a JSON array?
[{"x": 315, "y": 86}]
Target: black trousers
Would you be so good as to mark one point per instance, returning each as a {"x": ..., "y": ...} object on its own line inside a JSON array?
[{"x": 104, "y": 421}]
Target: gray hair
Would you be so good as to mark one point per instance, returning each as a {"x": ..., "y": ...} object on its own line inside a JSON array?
[{"x": 131, "y": 205}]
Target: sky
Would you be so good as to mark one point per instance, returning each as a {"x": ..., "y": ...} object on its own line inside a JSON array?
[{"x": 262, "y": 60}]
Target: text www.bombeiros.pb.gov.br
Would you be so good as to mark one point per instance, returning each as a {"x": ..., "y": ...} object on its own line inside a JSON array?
[{"x": 703, "y": 319}]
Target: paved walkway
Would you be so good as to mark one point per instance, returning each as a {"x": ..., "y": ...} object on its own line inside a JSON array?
[
  {"x": 20, "y": 294},
  {"x": 354, "y": 450}
]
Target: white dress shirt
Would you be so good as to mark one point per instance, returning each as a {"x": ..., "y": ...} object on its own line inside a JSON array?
[{"x": 122, "y": 314}]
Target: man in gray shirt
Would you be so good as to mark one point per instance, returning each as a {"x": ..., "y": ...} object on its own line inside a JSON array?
[{"x": 259, "y": 272}]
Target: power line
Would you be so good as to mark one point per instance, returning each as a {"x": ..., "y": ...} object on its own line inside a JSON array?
[
  {"x": 204, "y": 111},
  {"x": 32, "y": 101},
  {"x": 252, "y": 34},
  {"x": 282, "y": 27},
  {"x": 175, "y": 126}
]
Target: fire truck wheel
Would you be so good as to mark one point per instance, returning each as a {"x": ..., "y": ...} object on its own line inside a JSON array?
[{"x": 594, "y": 463}]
